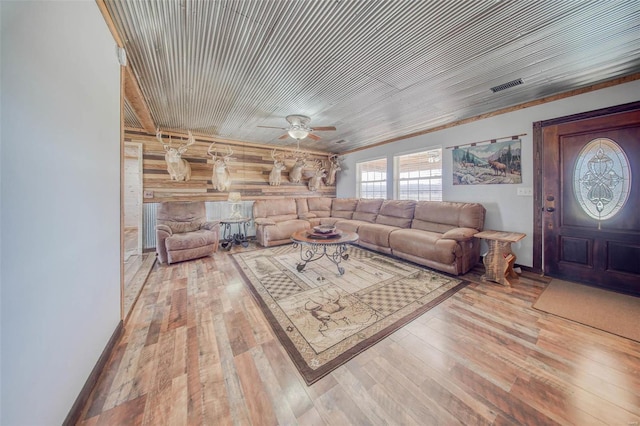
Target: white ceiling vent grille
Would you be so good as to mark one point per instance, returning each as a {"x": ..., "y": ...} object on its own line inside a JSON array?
[{"x": 508, "y": 85}]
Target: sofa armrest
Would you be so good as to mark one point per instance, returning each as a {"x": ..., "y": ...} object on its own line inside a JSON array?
[
  {"x": 162, "y": 233},
  {"x": 460, "y": 234},
  {"x": 164, "y": 228},
  {"x": 211, "y": 225},
  {"x": 264, "y": 221},
  {"x": 307, "y": 216}
]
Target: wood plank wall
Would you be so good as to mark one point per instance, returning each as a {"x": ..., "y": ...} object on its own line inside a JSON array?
[{"x": 250, "y": 166}]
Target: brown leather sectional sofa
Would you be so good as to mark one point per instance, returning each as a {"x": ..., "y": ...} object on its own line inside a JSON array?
[{"x": 431, "y": 233}]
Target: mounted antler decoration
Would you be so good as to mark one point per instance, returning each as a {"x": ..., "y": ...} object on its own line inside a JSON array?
[
  {"x": 178, "y": 168},
  {"x": 295, "y": 174},
  {"x": 278, "y": 167},
  {"x": 221, "y": 177},
  {"x": 334, "y": 168},
  {"x": 319, "y": 172}
]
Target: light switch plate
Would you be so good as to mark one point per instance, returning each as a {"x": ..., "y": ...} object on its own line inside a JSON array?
[{"x": 525, "y": 192}]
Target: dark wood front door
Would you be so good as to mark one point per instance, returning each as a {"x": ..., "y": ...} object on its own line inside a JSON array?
[{"x": 591, "y": 201}]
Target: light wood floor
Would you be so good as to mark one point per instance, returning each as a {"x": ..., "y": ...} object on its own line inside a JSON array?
[
  {"x": 198, "y": 351},
  {"x": 136, "y": 270}
]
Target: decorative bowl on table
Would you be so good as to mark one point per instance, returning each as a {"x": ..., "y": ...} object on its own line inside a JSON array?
[{"x": 324, "y": 229}]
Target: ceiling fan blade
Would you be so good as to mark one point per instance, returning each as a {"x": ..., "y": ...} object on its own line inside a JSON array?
[
  {"x": 286, "y": 135},
  {"x": 323, "y": 129},
  {"x": 270, "y": 127},
  {"x": 314, "y": 137}
]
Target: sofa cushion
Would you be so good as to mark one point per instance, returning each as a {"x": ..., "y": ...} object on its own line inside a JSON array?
[
  {"x": 397, "y": 213},
  {"x": 271, "y": 208},
  {"x": 307, "y": 216},
  {"x": 350, "y": 225},
  {"x": 182, "y": 227},
  {"x": 376, "y": 234},
  {"x": 283, "y": 217},
  {"x": 320, "y": 206},
  {"x": 343, "y": 207},
  {"x": 283, "y": 230},
  {"x": 191, "y": 240},
  {"x": 181, "y": 211},
  {"x": 367, "y": 209},
  {"x": 427, "y": 245},
  {"x": 302, "y": 207},
  {"x": 328, "y": 220},
  {"x": 441, "y": 216}
]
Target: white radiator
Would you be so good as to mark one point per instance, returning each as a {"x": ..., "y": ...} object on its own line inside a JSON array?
[{"x": 149, "y": 213}]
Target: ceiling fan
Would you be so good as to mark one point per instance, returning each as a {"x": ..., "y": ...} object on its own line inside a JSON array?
[{"x": 299, "y": 128}]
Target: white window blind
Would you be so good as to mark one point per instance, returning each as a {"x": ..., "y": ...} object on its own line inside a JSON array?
[
  {"x": 372, "y": 178},
  {"x": 419, "y": 176}
]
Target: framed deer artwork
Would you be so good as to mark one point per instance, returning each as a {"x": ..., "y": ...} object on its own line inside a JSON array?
[{"x": 487, "y": 163}]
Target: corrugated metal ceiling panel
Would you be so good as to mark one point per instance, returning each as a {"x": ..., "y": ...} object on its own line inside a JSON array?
[
  {"x": 130, "y": 117},
  {"x": 374, "y": 69}
]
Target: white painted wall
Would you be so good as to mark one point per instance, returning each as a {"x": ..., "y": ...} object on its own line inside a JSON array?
[
  {"x": 505, "y": 210},
  {"x": 1, "y": 212},
  {"x": 60, "y": 212}
]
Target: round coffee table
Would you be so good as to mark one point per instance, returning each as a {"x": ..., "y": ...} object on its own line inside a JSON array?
[{"x": 315, "y": 246}]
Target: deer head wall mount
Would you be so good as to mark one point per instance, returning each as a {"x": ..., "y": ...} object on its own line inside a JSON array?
[
  {"x": 178, "y": 168},
  {"x": 275, "y": 176},
  {"x": 221, "y": 177},
  {"x": 334, "y": 168},
  {"x": 319, "y": 173},
  {"x": 295, "y": 174}
]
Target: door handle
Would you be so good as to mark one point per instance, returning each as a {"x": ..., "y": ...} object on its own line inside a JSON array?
[{"x": 550, "y": 204}]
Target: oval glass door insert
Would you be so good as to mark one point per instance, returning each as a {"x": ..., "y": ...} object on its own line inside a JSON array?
[{"x": 602, "y": 179}]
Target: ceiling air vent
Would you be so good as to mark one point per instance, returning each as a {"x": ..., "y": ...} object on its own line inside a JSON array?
[{"x": 507, "y": 85}]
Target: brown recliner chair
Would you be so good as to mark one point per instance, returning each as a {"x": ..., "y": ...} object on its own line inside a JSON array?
[{"x": 183, "y": 232}]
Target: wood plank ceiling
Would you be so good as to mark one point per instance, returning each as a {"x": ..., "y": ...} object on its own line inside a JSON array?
[{"x": 377, "y": 70}]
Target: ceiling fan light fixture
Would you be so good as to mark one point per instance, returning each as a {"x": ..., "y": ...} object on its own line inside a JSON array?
[{"x": 298, "y": 132}]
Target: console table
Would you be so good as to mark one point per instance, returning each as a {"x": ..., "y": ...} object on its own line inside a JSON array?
[
  {"x": 499, "y": 260},
  {"x": 240, "y": 237}
]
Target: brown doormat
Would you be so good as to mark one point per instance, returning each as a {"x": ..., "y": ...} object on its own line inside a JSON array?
[
  {"x": 323, "y": 319},
  {"x": 605, "y": 310}
]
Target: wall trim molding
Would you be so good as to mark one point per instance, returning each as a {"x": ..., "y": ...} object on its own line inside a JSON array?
[{"x": 73, "y": 417}]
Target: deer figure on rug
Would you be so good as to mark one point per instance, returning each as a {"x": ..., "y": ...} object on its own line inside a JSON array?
[
  {"x": 334, "y": 168},
  {"x": 325, "y": 311},
  {"x": 221, "y": 177},
  {"x": 319, "y": 173},
  {"x": 178, "y": 168},
  {"x": 275, "y": 176}
]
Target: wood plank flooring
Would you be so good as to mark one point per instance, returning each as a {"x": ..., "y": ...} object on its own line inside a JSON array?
[
  {"x": 136, "y": 270},
  {"x": 197, "y": 351}
]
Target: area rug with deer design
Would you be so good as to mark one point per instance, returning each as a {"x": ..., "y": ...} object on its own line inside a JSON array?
[{"x": 323, "y": 319}]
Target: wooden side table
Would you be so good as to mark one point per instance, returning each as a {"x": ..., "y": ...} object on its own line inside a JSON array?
[{"x": 499, "y": 260}]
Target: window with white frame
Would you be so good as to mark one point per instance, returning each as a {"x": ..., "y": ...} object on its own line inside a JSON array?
[
  {"x": 419, "y": 176},
  {"x": 372, "y": 178}
]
